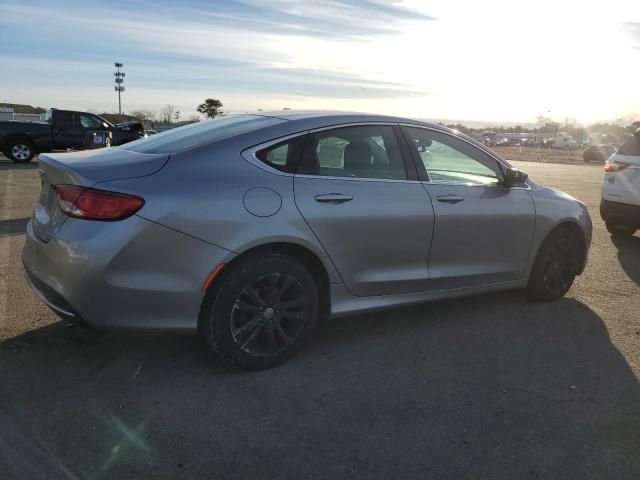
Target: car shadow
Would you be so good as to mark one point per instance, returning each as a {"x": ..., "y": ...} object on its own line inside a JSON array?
[
  {"x": 13, "y": 226},
  {"x": 487, "y": 387},
  {"x": 629, "y": 255},
  {"x": 9, "y": 165}
]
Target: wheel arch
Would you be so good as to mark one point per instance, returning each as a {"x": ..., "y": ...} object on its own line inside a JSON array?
[
  {"x": 577, "y": 231},
  {"x": 25, "y": 137},
  {"x": 296, "y": 251}
]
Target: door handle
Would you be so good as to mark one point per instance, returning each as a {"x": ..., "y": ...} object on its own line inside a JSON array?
[
  {"x": 335, "y": 198},
  {"x": 450, "y": 198}
]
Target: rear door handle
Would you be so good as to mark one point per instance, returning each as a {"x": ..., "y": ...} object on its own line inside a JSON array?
[
  {"x": 450, "y": 198},
  {"x": 335, "y": 198}
]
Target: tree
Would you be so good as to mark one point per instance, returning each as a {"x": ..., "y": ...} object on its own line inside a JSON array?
[
  {"x": 211, "y": 108},
  {"x": 542, "y": 120},
  {"x": 142, "y": 114},
  {"x": 168, "y": 112}
]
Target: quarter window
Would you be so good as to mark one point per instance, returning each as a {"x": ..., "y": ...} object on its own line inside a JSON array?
[
  {"x": 361, "y": 152},
  {"x": 283, "y": 156},
  {"x": 447, "y": 159}
]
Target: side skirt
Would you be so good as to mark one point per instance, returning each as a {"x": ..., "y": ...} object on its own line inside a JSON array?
[{"x": 344, "y": 303}]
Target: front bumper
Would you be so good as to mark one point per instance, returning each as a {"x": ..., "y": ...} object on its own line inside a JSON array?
[
  {"x": 133, "y": 274},
  {"x": 623, "y": 213}
]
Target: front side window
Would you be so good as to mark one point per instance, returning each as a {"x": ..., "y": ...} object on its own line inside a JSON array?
[
  {"x": 447, "y": 159},
  {"x": 361, "y": 152},
  {"x": 90, "y": 122}
]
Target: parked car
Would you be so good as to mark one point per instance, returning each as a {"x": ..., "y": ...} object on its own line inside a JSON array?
[
  {"x": 598, "y": 153},
  {"x": 61, "y": 130},
  {"x": 151, "y": 132},
  {"x": 248, "y": 229},
  {"x": 620, "y": 204},
  {"x": 564, "y": 141}
]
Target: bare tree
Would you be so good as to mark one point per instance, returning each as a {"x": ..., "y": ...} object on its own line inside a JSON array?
[
  {"x": 167, "y": 113},
  {"x": 143, "y": 114}
]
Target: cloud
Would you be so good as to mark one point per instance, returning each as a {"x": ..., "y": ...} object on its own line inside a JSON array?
[
  {"x": 327, "y": 18},
  {"x": 634, "y": 29}
]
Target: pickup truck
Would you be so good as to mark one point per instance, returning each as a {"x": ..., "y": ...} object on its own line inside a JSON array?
[{"x": 62, "y": 130}]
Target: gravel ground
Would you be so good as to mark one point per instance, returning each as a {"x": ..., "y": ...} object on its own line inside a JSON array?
[{"x": 494, "y": 387}]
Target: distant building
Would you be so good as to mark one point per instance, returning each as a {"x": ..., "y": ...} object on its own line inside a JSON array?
[{"x": 7, "y": 114}]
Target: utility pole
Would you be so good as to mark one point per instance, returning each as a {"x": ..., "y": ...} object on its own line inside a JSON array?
[{"x": 119, "y": 84}]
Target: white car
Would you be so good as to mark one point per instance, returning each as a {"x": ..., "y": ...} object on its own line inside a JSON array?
[{"x": 620, "y": 204}]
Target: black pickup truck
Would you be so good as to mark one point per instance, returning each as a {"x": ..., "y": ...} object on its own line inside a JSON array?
[{"x": 62, "y": 130}]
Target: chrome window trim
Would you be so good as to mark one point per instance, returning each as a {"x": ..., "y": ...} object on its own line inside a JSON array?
[{"x": 249, "y": 154}]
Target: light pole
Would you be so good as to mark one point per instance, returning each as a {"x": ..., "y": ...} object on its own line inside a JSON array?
[{"x": 119, "y": 79}]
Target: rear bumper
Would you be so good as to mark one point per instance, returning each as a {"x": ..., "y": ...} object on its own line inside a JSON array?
[
  {"x": 132, "y": 274},
  {"x": 620, "y": 212}
]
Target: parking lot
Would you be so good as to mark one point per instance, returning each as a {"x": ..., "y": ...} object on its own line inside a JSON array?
[{"x": 495, "y": 387}]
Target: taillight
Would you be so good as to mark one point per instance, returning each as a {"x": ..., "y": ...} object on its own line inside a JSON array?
[
  {"x": 615, "y": 166},
  {"x": 94, "y": 204}
]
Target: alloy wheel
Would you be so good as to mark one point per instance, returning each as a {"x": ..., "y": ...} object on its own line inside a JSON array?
[
  {"x": 269, "y": 315},
  {"x": 559, "y": 266},
  {"x": 20, "y": 151}
]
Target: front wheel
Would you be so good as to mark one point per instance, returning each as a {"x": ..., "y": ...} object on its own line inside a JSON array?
[
  {"x": 262, "y": 311},
  {"x": 555, "y": 267},
  {"x": 21, "y": 151}
]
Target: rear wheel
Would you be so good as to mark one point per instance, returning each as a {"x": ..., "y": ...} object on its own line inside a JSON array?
[
  {"x": 619, "y": 229},
  {"x": 555, "y": 267},
  {"x": 21, "y": 151},
  {"x": 261, "y": 312}
]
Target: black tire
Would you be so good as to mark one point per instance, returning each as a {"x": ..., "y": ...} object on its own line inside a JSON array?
[
  {"x": 20, "y": 151},
  {"x": 619, "y": 229},
  {"x": 243, "y": 317},
  {"x": 555, "y": 267}
]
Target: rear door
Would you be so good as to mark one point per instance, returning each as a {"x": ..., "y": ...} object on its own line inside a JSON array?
[
  {"x": 371, "y": 214},
  {"x": 67, "y": 130},
  {"x": 483, "y": 231}
]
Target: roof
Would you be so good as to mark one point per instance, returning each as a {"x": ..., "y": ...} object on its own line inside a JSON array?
[{"x": 320, "y": 118}]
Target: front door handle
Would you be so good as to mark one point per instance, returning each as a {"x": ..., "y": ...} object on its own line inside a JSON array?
[
  {"x": 335, "y": 198},
  {"x": 450, "y": 198}
]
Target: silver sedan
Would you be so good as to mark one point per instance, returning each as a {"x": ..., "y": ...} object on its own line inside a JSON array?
[{"x": 250, "y": 228}]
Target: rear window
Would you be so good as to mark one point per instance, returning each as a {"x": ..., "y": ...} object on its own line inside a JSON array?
[
  {"x": 630, "y": 147},
  {"x": 201, "y": 133}
]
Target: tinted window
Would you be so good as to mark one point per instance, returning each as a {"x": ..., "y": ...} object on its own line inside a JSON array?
[
  {"x": 447, "y": 159},
  {"x": 283, "y": 156},
  {"x": 630, "y": 147},
  {"x": 65, "y": 118},
  {"x": 364, "y": 152},
  {"x": 201, "y": 133}
]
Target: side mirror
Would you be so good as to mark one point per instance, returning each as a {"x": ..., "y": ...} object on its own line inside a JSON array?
[{"x": 513, "y": 176}]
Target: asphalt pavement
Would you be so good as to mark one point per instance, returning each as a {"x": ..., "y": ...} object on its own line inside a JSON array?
[{"x": 490, "y": 387}]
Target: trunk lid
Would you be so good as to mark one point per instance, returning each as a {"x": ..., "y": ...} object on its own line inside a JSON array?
[{"x": 86, "y": 168}]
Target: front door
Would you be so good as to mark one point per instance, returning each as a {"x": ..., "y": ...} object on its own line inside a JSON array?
[
  {"x": 483, "y": 231},
  {"x": 375, "y": 223}
]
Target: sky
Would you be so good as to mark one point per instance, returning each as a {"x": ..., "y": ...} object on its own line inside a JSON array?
[{"x": 488, "y": 60}]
